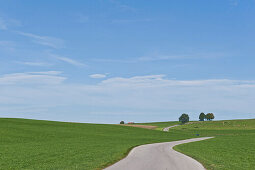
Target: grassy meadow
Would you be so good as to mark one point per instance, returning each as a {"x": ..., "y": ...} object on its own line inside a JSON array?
[
  {"x": 160, "y": 125},
  {"x": 232, "y": 148},
  {"x": 36, "y": 144}
]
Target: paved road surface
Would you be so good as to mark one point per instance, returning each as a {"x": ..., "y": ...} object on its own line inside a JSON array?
[
  {"x": 158, "y": 156},
  {"x": 166, "y": 129}
]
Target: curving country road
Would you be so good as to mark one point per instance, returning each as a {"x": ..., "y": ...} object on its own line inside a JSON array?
[
  {"x": 158, "y": 156},
  {"x": 166, "y": 129}
]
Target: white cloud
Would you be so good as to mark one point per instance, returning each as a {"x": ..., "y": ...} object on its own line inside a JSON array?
[
  {"x": 97, "y": 76},
  {"x": 143, "y": 98},
  {"x": 5, "y": 23},
  {"x": 158, "y": 57},
  {"x": 50, "y": 77},
  {"x": 69, "y": 60},
  {"x": 156, "y": 81},
  {"x": 162, "y": 57},
  {"x": 47, "y": 72},
  {"x": 44, "y": 40},
  {"x": 35, "y": 63},
  {"x": 122, "y": 6}
]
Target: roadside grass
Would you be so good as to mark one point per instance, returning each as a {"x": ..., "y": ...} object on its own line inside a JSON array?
[
  {"x": 232, "y": 148},
  {"x": 36, "y": 144},
  {"x": 160, "y": 125}
]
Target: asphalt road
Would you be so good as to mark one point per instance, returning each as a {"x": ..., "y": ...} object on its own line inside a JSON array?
[
  {"x": 158, "y": 156},
  {"x": 167, "y": 128}
]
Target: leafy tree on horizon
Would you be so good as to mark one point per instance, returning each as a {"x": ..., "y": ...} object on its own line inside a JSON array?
[
  {"x": 184, "y": 118},
  {"x": 202, "y": 116},
  {"x": 209, "y": 116},
  {"x": 122, "y": 122}
]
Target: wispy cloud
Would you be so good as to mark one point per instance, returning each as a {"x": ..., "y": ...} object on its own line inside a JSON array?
[
  {"x": 7, "y": 22},
  {"x": 34, "y": 63},
  {"x": 97, "y": 76},
  {"x": 44, "y": 40},
  {"x": 7, "y": 45},
  {"x": 161, "y": 80},
  {"x": 122, "y": 6},
  {"x": 115, "y": 60},
  {"x": 50, "y": 77},
  {"x": 3, "y": 25},
  {"x": 158, "y": 57},
  {"x": 126, "y": 21},
  {"x": 145, "y": 59},
  {"x": 46, "y": 72},
  {"x": 161, "y": 57},
  {"x": 68, "y": 60},
  {"x": 150, "y": 95}
]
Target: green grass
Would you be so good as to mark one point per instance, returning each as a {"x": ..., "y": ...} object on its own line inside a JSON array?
[
  {"x": 232, "y": 148},
  {"x": 160, "y": 125},
  {"x": 35, "y": 144}
]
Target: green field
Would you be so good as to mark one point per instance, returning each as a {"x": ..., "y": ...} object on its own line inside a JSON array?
[
  {"x": 160, "y": 125},
  {"x": 232, "y": 148},
  {"x": 35, "y": 144}
]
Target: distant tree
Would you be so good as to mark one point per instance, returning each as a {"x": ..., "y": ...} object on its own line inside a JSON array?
[
  {"x": 122, "y": 122},
  {"x": 184, "y": 118},
  {"x": 209, "y": 116},
  {"x": 202, "y": 116}
]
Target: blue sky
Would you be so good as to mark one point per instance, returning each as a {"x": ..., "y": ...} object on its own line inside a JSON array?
[{"x": 103, "y": 61}]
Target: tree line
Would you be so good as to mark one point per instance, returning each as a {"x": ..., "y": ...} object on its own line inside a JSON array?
[{"x": 184, "y": 118}]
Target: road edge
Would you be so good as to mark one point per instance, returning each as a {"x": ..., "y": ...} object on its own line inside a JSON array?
[
  {"x": 205, "y": 165},
  {"x": 129, "y": 150}
]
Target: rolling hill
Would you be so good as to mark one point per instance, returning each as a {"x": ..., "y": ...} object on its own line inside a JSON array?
[
  {"x": 37, "y": 144},
  {"x": 232, "y": 148}
]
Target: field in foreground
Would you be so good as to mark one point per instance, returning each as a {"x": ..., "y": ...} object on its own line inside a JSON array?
[
  {"x": 35, "y": 144},
  {"x": 232, "y": 148}
]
